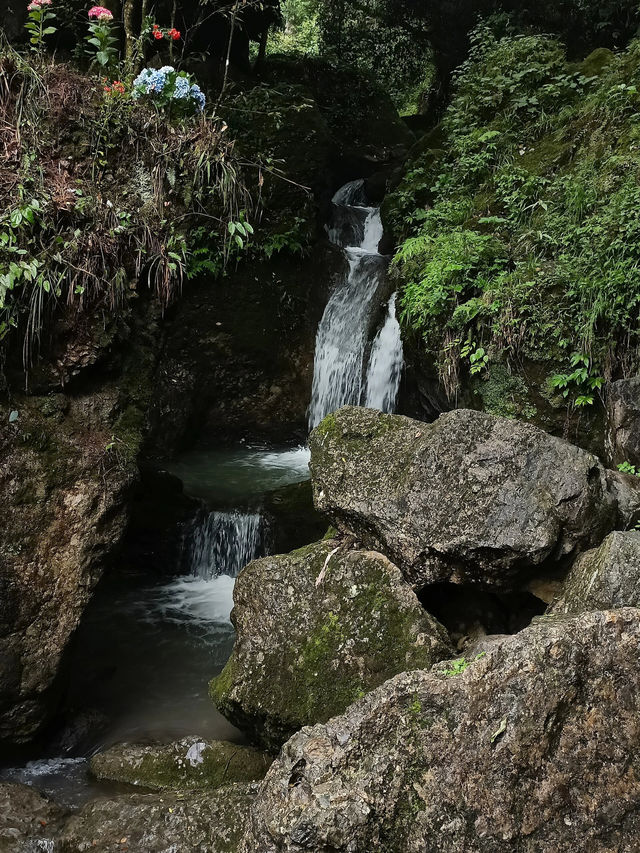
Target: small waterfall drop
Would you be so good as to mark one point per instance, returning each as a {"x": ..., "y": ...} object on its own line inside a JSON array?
[
  {"x": 215, "y": 549},
  {"x": 385, "y": 363},
  {"x": 223, "y": 543},
  {"x": 341, "y": 375}
]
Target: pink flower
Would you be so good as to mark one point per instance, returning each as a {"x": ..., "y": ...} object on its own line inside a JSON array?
[
  {"x": 100, "y": 13},
  {"x": 38, "y": 4}
]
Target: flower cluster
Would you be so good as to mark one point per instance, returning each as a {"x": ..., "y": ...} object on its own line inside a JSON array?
[
  {"x": 173, "y": 34},
  {"x": 100, "y": 13},
  {"x": 116, "y": 88},
  {"x": 38, "y": 4},
  {"x": 165, "y": 85},
  {"x": 151, "y": 81}
]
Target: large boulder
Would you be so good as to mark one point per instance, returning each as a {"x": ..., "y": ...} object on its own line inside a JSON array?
[
  {"x": 622, "y": 435},
  {"x": 186, "y": 764},
  {"x": 64, "y": 498},
  {"x": 317, "y": 629},
  {"x": 470, "y": 498},
  {"x": 203, "y": 821},
  {"x": 604, "y": 578},
  {"x": 534, "y": 747}
]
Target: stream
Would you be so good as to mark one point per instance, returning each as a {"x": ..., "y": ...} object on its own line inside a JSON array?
[{"x": 148, "y": 645}]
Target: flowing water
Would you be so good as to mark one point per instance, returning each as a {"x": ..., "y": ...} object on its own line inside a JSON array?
[
  {"x": 347, "y": 371},
  {"x": 385, "y": 363},
  {"x": 148, "y": 646}
]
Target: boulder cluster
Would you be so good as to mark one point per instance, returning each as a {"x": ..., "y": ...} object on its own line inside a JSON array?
[{"x": 454, "y": 667}]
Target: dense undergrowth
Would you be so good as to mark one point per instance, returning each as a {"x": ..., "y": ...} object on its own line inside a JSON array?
[
  {"x": 101, "y": 196},
  {"x": 518, "y": 218}
]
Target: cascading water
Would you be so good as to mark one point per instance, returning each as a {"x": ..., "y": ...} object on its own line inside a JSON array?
[
  {"x": 385, "y": 363},
  {"x": 223, "y": 543},
  {"x": 340, "y": 375},
  {"x": 216, "y": 547}
]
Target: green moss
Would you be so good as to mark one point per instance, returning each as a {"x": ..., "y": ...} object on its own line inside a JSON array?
[
  {"x": 168, "y": 768},
  {"x": 220, "y": 686}
]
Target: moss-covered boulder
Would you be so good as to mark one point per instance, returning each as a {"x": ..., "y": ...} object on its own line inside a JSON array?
[
  {"x": 185, "y": 764},
  {"x": 604, "y": 578},
  {"x": 471, "y": 498},
  {"x": 317, "y": 629},
  {"x": 159, "y": 823}
]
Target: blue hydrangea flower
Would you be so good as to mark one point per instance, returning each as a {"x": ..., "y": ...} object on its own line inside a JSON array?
[
  {"x": 182, "y": 88},
  {"x": 198, "y": 96}
]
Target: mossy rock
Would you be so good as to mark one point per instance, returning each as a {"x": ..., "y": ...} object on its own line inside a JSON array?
[
  {"x": 186, "y": 764},
  {"x": 317, "y": 629}
]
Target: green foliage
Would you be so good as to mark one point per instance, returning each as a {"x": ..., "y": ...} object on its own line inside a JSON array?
[
  {"x": 39, "y": 24},
  {"x": 392, "y": 48},
  {"x": 628, "y": 468},
  {"x": 580, "y": 384},
  {"x": 131, "y": 214},
  {"x": 300, "y": 33},
  {"x": 522, "y": 234},
  {"x": 102, "y": 44}
]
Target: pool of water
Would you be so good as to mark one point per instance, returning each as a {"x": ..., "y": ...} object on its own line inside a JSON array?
[
  {"x": 148, "y": 645},
  {"x": 240, "y": 476}
]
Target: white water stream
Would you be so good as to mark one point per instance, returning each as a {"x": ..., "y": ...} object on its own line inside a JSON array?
[{"x": 346, "y": 370}]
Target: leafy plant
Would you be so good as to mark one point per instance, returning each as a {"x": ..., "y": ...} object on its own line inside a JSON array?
[
  {"x": 39, "y": 24},
  {"x": 628, "y": 468},
  {"x": 101, "y": 38},
  {"x": 580, "y": 382}
]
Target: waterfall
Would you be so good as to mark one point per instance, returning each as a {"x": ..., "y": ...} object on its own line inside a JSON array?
[
  {"x": 222, "y": 543},
  {"x": 385, "y": 363},
  {"x": 341, "y": 375}
]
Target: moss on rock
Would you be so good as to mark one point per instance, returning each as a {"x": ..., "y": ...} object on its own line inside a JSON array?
[
  {"x": 317, "y": 629},
  {"x": 187, "y": 764}
]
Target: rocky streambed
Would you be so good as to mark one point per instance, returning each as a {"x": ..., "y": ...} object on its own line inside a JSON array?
[{"x": 454, "y": 667}]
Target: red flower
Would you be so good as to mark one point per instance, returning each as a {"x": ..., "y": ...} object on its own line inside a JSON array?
[
  {"x": 174, "y": 34},
  {"x": 157, "y": 34}
]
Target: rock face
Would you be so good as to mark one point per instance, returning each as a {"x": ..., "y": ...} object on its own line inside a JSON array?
[
  {"x": 317, "y": 629},
  {"x": 604, "y": 578},
  {"x": 63, "y": 498},
  {"x": 534, "y": 747},
  {"x": 471, "y": 498},
  {"x": 205, "y": 822},
  {"x": 25, "y": 818},
  {"x": 187, "y": 764},
  {"x": 622, "y": 436}
]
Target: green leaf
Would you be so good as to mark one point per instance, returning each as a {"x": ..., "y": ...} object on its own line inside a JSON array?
[
  {"x": 49, "y": 31},
  {"x": 102, "y": 57},
  {"x": 95, "y": 42}
]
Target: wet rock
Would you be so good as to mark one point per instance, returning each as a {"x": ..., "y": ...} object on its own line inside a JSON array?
[
  {"x": 471, "y": 498},
  {"x": 64, "y": 509},
  {"x": 186, "y": 764},
  {"x": 316, "y": 629},
  {"x": 604, "y": 578},
  {"x": 622, "y": 435},
  {"x": 533, "y": 747},
  {"x": 205, "y": 822},
  {"x": 26, "y": 819}
]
